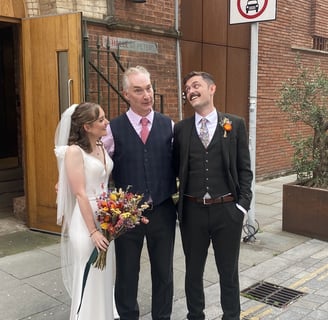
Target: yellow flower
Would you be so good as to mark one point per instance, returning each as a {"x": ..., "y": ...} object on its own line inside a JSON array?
[
  {"x": 115, "y": 211},
  {"x": 113, "y": 197},
  {"x": 125, "y": 215},
  {"x": 104, "y": 225}
]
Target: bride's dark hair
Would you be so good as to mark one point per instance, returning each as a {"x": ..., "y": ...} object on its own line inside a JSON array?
[{"x": 85, "y": 113}]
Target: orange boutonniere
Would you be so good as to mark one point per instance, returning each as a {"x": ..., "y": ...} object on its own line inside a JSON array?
[{"x": 226, "y": 125}]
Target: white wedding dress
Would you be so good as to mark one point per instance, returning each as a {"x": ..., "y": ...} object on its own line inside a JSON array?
[{"x": 77, "y": 246}]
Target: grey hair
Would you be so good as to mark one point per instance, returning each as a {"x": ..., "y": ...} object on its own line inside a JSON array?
[{"x": 133, "y": 70}]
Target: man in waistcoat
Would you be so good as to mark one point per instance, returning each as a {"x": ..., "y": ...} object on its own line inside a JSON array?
[
  {"x": 212, "y": 162},
  {"x": 140, "y": 144}
]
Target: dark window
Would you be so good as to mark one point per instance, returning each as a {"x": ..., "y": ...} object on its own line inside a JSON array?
[{"x": 320, "y": 43}]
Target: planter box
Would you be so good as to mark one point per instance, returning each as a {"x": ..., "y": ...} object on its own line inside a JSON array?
[{"x": 305, "y": 211}]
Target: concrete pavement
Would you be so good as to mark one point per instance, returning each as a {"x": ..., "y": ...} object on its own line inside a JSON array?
[{"x": 31, "y": 285}]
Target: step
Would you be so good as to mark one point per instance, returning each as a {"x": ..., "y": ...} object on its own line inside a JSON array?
[
  {"x": 6, "y": 199},
  {"x": 11, "y": 174},
  {"x": 11, "y": 186}
]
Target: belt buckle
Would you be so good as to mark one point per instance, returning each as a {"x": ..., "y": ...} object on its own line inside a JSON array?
[{"x": 206, "y": 203}]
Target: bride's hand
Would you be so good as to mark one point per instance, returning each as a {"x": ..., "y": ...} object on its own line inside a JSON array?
[{"x": 100, "y": 240}]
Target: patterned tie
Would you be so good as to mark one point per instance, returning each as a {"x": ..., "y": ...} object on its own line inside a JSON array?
[
  {"x": 144, "y": 129},
  {"x": 203, "y": 133}
]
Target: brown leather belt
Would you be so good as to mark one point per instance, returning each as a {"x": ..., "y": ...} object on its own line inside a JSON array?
[{"x": 221, "y": 200}]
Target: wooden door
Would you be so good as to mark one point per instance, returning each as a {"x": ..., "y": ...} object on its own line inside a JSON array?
[{"x": 51, "y": 72}]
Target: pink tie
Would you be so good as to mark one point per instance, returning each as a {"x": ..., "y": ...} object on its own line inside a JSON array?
[{"x": 144, "y": 129}]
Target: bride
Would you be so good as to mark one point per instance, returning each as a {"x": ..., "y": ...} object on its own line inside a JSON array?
[{"x": 84, "y": 169}]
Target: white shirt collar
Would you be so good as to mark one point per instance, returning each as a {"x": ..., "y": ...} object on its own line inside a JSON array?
[
  {"x": 211, "y": 117},
  {"x": 135, "y": 118}
]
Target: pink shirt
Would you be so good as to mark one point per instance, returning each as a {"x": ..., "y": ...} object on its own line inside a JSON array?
[{"x": 134, "y": 119}]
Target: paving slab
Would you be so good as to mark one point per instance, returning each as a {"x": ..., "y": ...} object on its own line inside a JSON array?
[
  {"x": 30, "y": 270},
  {"x": 22, "y": 300},
  {"x": 25, "y": 240}
]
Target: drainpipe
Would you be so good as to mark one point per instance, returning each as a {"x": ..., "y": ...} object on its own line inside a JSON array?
[{"x": 178, "y": 59}]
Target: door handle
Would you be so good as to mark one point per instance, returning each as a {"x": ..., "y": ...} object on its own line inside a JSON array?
[{"x": 69, "y": 89}]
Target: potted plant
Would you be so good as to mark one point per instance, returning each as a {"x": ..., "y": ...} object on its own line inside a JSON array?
[{"x": 304, "y": 99}]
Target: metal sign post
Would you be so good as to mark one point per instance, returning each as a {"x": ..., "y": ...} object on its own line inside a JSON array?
[
  {"x": 252, "y": 11},
  {"x": 252, "y": 114}
]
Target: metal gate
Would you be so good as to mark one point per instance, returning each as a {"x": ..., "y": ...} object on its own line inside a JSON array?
[{"x": 103, "y": 69}]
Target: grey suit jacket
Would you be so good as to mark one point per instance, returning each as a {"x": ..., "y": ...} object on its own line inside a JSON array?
[{"x": 235, "y": 155}]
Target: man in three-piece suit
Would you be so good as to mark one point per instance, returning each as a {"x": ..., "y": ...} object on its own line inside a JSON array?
[
  {"x": 144, "y": 161},
  {"x": 212, "y": 163}
]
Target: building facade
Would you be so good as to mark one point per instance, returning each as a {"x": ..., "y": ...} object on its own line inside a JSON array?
[
  {"x": 170, "y": 38},
  {"x": 300, "y": 31}
]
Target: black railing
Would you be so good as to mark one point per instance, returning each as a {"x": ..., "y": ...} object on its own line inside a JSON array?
[{"x": 103, "y": 70}]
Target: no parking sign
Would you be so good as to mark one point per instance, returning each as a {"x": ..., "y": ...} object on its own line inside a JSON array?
[{"x": 242, "y": 11}]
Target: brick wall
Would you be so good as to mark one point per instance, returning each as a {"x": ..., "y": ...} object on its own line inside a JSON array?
[
  {"x": 32, "y": 8},
  {"x": 153, "y": 15},
  {"x": 147, "y": 22},
  {"x": 152, "y": 22},
  {"x": 161, "y": 65},
  {"x": 158, "y": 13},
  {"x": 96, "y": 9},
  {"x": 279, "y": 43},
  {"x": 319, "y": 18}
]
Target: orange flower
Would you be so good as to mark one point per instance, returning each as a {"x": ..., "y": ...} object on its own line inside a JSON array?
[
  {"x": 103, "y": 204},
  {"x": 111, "y": 228},
  {"x": 226, "y": 125}
]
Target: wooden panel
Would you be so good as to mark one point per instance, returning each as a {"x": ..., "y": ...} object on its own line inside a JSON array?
[
  {"x": 222, "y": 50},
  {"x": 75, "y": 57},
  {"x": 214, "y": 62},
  {"x": 238, "y": 82},
  {"x": 191, "y": 56},
  {"x": 191, "y": 19},
  {"x": 215, "y": 22},
  {"x": 42, "y": 38},
  {"x": 239, "y": 35},
  {"x": 12, "y": 8}
]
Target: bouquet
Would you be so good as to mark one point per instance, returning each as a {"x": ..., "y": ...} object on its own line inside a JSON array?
[{"x": 118, "y": 211}]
